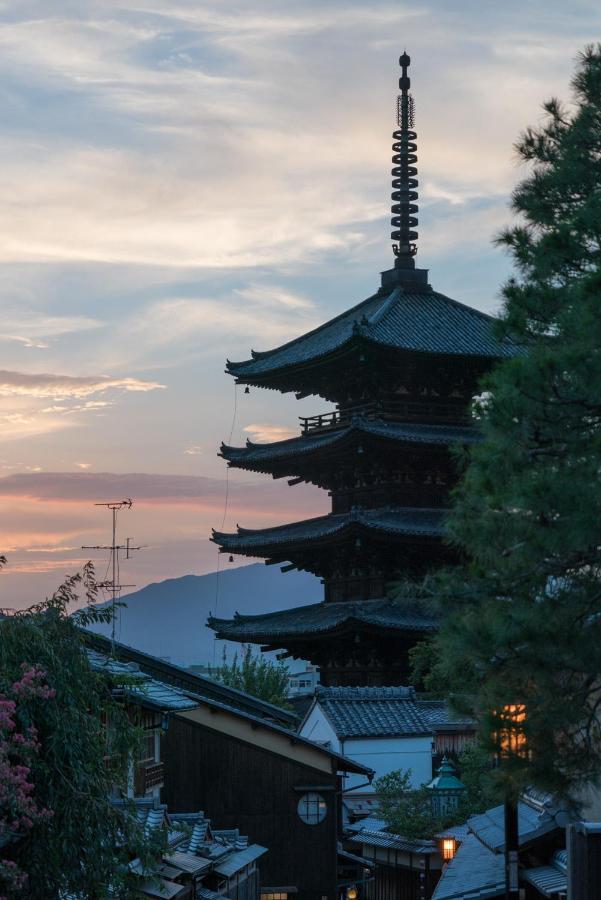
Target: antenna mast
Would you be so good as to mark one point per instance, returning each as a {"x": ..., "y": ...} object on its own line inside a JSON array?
[{"x": 113, "y": 585}]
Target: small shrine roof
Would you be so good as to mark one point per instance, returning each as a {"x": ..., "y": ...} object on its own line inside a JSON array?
[
  {"x": 422, "y": 321},
  {"x": 401, "y": 432},
  {"x": 410, "y": 521},
  {"x": 356, "y": 712},
  {"x": 321, "y": 618}
]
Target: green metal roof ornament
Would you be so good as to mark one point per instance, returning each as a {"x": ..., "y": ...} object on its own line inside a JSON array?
[{"x": 447, "y": 789}]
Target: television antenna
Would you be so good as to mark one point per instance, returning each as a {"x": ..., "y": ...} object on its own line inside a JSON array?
[{"x": 112, "y": 585}]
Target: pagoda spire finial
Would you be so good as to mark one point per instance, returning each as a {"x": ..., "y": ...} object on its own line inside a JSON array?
[{"x": 404, "y": 172}]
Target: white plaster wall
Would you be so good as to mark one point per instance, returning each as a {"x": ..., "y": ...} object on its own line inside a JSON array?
[
  {"x": 316, "y": 727},
  {"x": 385, "y": 755}
]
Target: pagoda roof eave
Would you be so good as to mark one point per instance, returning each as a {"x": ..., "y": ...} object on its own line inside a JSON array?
[
  {"x": 289, "y": 626},
  {"x": 403, "y": 522},
  {"x": 419, "y": 322},
  {"x": 409, "y": 433}
]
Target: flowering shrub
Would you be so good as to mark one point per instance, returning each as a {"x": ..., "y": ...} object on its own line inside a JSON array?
[{"x": 19, "y": 811}]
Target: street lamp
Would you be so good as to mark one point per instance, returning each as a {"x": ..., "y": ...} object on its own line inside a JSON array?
[{"x": 449, "y": 846}]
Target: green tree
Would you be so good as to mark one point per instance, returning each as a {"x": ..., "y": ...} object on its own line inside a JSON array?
[
  {"x": 408, "y": 811},
  {"x": 524, "y": 615},
  {"x": 257, "y": 676},
  {"x": 81, "y": 843}
]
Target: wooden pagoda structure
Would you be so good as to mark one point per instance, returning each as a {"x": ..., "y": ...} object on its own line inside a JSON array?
[{"x": 400, "y": 369}]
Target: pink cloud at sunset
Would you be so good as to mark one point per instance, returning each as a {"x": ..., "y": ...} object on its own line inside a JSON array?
[{"x": 47, "y": 516}]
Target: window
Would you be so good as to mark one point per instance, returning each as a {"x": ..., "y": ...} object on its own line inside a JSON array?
[
  {"x": 278, "y": 896},
  {"x": 312, "y": 808}
]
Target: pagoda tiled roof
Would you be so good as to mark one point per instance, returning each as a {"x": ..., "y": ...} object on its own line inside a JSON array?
[
  {"x": 400, "y": 432},
  {"x": 415, "y": 321},
  {"x": 322, "y": 618},
  {"x": 409, "y": 521}
]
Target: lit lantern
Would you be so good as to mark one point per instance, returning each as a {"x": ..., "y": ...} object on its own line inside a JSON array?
[
  {"x": 449, "y": 846},
  {"x": 446, "y": 789},
  {"x": 352, "y": 893}
]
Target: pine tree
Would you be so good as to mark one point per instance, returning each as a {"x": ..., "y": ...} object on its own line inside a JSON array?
[{"x": 525, "y": 612}]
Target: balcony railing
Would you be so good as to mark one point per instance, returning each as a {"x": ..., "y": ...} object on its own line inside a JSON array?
[
  {"x": 393, "y": 409},
  {"x": 149, "y": 775}
]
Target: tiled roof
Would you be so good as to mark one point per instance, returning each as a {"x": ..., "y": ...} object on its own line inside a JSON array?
[
  {"x": 403, "y": 521},
  {"x": 474, "y": 873},
  {"x": 190, "y": 684},
  {"x": 226, "y": 703},
  {"x": 439, "y": 715},
  {"x": 370, "y": 823},
  {"x": 140, "y": 686},
  {"x": 393, "y": 841},
  {"x": 161, "y": 887},
  {"x": 321, "y": 618},
  {"x": 238, "y": 860},
  {"x": 489, "y": 827},
  {"x": 400, "y": 432},
  {"x": 423, "y": 322},
  {"x": 371, "y": 711},
  {"x": 548, "y": 880}
]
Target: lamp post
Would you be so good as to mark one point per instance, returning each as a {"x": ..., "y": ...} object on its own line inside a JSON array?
[
  {"x": 447, "y": 790},
  {"x": 511, "y": 740}
]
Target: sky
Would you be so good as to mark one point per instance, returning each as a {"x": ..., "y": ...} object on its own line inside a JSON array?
[{"x": 183, "y": 181}]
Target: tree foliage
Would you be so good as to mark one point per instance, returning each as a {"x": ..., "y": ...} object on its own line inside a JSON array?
[
  {"x": 75, "y": 841},
  {"x": 256, "y": 675},
  {"x": 408, "y": 811},
  {"x": 525, "y": 613}
]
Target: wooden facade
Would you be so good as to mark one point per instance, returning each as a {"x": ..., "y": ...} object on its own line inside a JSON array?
[{"x": 258, "y": 790}]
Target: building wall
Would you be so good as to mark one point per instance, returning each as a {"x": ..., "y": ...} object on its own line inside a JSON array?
[
  {"x": 248, "y": 787},
  {"x": 316, "y": 727},
  {"x": 383, "y": 755}
]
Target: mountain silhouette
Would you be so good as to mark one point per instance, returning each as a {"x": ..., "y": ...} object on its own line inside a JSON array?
[{"x": 168, "y": 618}]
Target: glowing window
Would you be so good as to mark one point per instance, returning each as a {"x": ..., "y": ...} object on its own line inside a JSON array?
[{"x": 312, "y": 808}]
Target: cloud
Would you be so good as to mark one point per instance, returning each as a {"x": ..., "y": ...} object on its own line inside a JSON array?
[
  {"x": 265, "y": 434},
  {"x": 60, "y": 387},
  {"x": 267, "y": 314},
  {"x": 36, "y": 330},
  {"x": 86, "y": 487},
  {"x": 269, "y": 143},
  {"x": 194, "y": 450}
]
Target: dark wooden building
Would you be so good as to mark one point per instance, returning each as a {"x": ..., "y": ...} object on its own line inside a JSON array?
[
  {"x": 400, "y": 370},
  {"x": 239, "y": 758},
  {"x": 283, "y": 790}
]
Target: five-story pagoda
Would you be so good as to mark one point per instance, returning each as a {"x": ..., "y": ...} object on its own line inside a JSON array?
[{"x": 401, "y": 369}]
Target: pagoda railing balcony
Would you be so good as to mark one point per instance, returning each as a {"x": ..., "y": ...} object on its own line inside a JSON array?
[{"x": 393, "y": 409}]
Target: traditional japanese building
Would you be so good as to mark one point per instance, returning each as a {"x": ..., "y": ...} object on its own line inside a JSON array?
[{"x": 400, "y": 369}]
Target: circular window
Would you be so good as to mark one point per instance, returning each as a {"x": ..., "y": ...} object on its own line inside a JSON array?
[{"x": 312, "y": 808}]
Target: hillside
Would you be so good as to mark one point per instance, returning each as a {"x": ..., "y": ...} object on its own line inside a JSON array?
[{"x": 168, "y": 618}]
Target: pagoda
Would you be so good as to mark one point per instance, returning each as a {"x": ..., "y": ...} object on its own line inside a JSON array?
[{"x": 400, "y": 370}]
